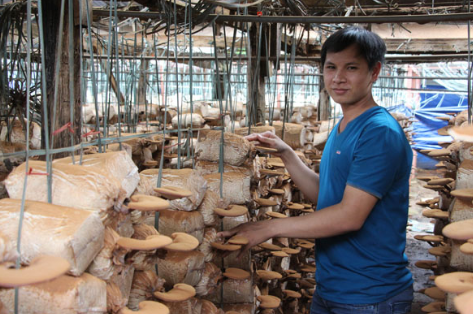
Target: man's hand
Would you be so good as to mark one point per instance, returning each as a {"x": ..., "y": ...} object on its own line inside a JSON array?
[
  {"x": 270, "y": 140},
  {"x": 254, "y": 232}
]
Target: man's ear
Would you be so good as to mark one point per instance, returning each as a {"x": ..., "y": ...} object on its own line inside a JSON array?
[{"x": 375, "y": 72}]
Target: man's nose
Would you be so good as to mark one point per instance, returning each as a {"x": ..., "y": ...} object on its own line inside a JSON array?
[{"x": 339, "y": 77}]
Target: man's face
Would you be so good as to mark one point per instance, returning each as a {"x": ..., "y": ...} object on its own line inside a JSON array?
[{"x": 347, "y": 77}]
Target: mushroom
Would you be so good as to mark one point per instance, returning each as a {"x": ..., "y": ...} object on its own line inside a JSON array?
[
  {"x": 180, "y": 292},
  {"x": 290, "y": 250},
  {"x": 460, "y": 230},
  {"x": 269, "y": 246},
  {"x": 308, "y": 269},
  {"x": 426, "y": 264},
  {"x": 426, "y": 178},
  {"x": 464, "y": 133},
  {"x": 147, "y": 307},
  {"x": 236, "y": 273},
  {"x": 268, "y": 301},
  {"x": 268, "y": 274},
  {"x": 292, "y": 294},
  {"x": 455, "y": 282},
  {"x": 173, "y": 192},
  {"x": 435, "y": 293},
  {"x": 295, "y": 206},
  {"x": 304, "y": 243},
  {"x": 265, "y": 202},
  {"x": 464, "y": 195},
  {"x": 152, "y": 242},
  {"x": 182, "y": 242},
  {"x": 225, "y": 247},
  {"x": 435, "y": 213},
  {"x": 443, "y": 152},
  {"x": 442, "y": 250},
  {"x": 41, "y": 268},
  {"x": 440, "y": 181},
  {"x": 147, "y": 203},
  {"x": 263, "y": 149},
  {"x": 231, "y": 211},
  {"x": 276, "y": 191},
  {"x": 238, "y": 240},
  {"x": 467, "y": 247},
  {"x": 279, "y": 254},
  {"x": 429, "y": 238},
  {"x": 436, "y": 306},
  {"x": 464, "y": 302},
  {"x": 275, "y": 215},
  {"x": 269, "y": 172}
]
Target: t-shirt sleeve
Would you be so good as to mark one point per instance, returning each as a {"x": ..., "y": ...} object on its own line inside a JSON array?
[{"x": 376, "y": 160}]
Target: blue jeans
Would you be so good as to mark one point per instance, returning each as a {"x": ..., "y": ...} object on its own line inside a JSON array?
[{"x": 399, "y": 304}]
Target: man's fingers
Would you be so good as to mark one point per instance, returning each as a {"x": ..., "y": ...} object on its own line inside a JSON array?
[{"x": 226, "y": 234}]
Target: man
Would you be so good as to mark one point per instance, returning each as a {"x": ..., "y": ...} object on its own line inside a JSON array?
[{"x": 361, "y": 194}]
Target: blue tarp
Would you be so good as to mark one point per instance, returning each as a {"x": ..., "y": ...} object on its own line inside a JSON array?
[
  {"x": 426, "y": 125},
  {"x": 425, "y": 129}
]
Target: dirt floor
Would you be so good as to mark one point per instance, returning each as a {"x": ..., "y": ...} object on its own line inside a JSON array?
[{"x": 418, "y": 250}]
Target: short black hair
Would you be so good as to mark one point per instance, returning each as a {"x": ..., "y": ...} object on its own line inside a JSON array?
[{"x": 370, "y": 46}]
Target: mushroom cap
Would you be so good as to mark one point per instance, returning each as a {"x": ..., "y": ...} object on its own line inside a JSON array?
[
  {"x": 182, "y": 242},
  {"x": 152, "y": 242},
  {"x": 276, "y": 191},
  {"x": 305, "y": 244},
  {"x": 173, "y": 192},
  {"x": 150, "y": 163},
  {"x": 465, "y": 195},
  {"x": 460, "y": 230},
  {"x": 295, "y": 276},
  {"x": 279, "y": 254},
  {"x": 180, "y": 292},
  {"x": 263, "y": 149},
  {"x": 308, "y": 269},
  {"x": 440, "y": 152},
  {"x": 276, "y": 163},
  {"x": 435, "y": 213},
  {"x": 427, "y": 178},
  {"x": 426, "y": 264},
  {"x": 295, "y": 206},
  {"x": 147, "y": 307},
  {"x": 268, "y": 274},
  {"x": 269, "y": 172},
  {"x": 289, "y": 250},
  {"x": 236, "y": 273},
  {"x": 440, "y": 181},
  {"x": 435, "y": 293},
  {"x": 429, "y": 238},
  {"x": 266, "y": 202},
  {"x": 225, "y": 247},
  {"x": 238, "y": 240},
  {"x": 275, "y": 215},
  {"x": 41, "y": 268},
  {"x": 455, "y": 282},
  {"x": 442, "y": 250},
  {"x": 467, "y": 248},
  {"x": 147, "y": 203},
  {"x": 464, "y": 133},
  {"x": 268, "y": 301},
  {"x": 231, "y": 211},
  {"x": 292, "y": 294},
  {"x": 436, "y": 306},
  {"x": 464, "y": 302},
  {"x": 269, "y": 246}
]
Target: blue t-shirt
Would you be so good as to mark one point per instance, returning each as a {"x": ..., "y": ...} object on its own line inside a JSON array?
[{"x": 369, "y": 265}]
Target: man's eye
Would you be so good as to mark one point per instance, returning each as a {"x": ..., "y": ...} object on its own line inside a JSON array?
[{"x": 352, "y": 68}]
